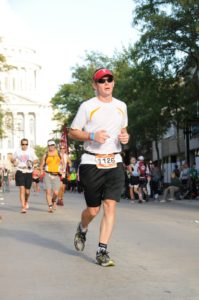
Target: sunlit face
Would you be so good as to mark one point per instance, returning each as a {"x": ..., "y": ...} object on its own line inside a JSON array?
[
  {"x": 133, "y": 160},
  {"x": 62, "y": 149},
  {"x": 104, "y": 86}
]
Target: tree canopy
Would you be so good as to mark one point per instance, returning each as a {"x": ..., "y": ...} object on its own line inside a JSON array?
[
  {"x": 170, "y": 40},
  {"x": 158, "y": 77}
]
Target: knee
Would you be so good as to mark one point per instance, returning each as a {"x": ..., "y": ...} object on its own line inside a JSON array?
[
  {"x": 94, "y": 211},
  {"x": 109, "y": 206}
]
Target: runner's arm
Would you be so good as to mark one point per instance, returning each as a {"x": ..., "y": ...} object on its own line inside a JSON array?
[{"x": 80, "y": 135}]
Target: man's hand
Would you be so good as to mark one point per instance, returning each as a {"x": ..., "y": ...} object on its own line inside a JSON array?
[
  {"x": 101, "y": 136},
  {"x": 15, "y": 162},
  {"x": 123, "y": 137}
]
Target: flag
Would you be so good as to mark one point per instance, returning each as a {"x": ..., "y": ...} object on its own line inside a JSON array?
[
  {"x": 64, "y": 138},
  {"x": 64, "y": 142}
]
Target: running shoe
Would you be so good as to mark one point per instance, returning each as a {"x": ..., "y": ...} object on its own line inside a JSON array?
[
  {"x": 50, "y": 208},
  {"x": 80, "y": 239},
  {"x": 103, "y": 259}
]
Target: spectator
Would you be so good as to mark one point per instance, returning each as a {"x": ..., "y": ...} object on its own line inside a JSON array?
[
  {"x": 185, "y": 177},
  {"x": 134, "y": 178},
  {"x": 193, "y": 180},
  {"x": 176, "y": 171},
  {"x": 172, "y": 188}
]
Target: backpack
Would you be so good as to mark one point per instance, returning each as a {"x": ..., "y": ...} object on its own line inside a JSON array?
[{"x": 142, "y": 169}]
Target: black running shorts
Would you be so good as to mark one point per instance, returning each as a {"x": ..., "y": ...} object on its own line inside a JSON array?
[
  {"x": 23, "y": 179},
  {"x": 101, "y": 184}
]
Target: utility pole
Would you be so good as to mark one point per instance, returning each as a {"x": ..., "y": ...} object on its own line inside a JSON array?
[{"x": 187, "y": 132}]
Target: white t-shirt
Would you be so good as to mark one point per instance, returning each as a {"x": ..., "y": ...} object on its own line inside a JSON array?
[
  {"x": 22, "y": 157},
  {"x": 94, "y": 115}
]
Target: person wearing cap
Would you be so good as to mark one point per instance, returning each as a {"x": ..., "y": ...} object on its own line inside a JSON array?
[
  {"x": 24, "y": 159},
  {"x": 51, "y": 163},
  {"x": 101, "y": 123}
]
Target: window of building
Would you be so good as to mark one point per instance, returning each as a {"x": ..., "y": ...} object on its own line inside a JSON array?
[{"x": 9, "y": 130}]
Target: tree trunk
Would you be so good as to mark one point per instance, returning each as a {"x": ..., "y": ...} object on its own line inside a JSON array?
[
  {"x": 157, "y": 151},
  {"x": 178, "y": 140}
]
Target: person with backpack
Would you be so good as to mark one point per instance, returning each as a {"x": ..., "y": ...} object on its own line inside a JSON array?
[
  {"x": 134, "y": 178},
  {"x": 51, "y": 164},
  {"x": 142, "y": 171}
]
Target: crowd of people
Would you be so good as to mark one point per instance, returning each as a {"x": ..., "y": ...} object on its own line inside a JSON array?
[{"x": 145, "y": 180}]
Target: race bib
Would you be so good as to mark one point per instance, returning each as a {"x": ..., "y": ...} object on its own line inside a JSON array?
[{"x": 105, "y": 161}]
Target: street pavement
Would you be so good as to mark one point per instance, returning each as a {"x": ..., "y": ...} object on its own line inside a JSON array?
[{"x": 155, "y": 246}]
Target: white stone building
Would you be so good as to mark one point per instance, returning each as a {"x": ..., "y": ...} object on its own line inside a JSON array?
[{"x": 26, "y": 113}]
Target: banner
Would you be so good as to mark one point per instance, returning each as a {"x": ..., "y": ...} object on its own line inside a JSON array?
[{"x": 64, "y": 138}]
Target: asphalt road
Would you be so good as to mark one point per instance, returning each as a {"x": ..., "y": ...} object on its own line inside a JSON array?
[{"x": 155, "y": 246}]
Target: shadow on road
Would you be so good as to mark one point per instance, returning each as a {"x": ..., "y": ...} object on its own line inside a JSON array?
[{"x": 36, "y": 239}]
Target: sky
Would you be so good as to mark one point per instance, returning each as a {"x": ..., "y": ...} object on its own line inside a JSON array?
[{"x": 62, "y": 30}]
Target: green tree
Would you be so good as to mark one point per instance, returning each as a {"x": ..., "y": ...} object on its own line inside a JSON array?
[
  {"x": 40, "y": 151},
  {"x": 170, "y": 40},
  {"x": 69, "y": 97},
  {"x": 143, "y": 89}
]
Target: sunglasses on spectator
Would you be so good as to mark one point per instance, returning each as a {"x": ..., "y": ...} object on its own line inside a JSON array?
[
  {"x": 24, "y": 144},
  {"x": 62, "y": 148},
  {"x": 103, "y": 80}
]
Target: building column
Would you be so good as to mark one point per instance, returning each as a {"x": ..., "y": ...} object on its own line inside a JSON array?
[{"x": 26, "y": 125}]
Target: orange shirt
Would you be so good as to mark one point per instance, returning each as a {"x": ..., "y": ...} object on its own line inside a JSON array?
[{"x": 53, "y": 162}]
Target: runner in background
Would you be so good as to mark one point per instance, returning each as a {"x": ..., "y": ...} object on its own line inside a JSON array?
[
  {"x": 23, "y": 159},
  {"x": 51, "y": 164}
]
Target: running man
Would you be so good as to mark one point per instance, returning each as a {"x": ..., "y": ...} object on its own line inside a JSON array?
[
  {"x": 101, "y": 124},
  {"x": 24, "y": 160}
]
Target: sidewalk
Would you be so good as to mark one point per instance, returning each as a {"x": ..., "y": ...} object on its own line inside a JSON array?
[{"x": 188, "y": 202}]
